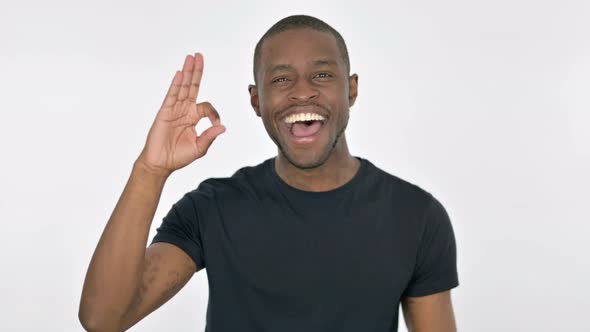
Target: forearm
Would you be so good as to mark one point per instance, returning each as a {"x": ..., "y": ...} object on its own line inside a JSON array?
[{"x": 117, "y": 264}]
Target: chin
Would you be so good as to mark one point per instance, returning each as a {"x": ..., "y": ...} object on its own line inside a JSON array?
[
  {"x": 306, "y": 160},
  {"x": 307, "y": 164}
]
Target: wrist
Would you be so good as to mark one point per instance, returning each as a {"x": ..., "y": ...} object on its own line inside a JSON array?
[{"x": 145, "y": 170}]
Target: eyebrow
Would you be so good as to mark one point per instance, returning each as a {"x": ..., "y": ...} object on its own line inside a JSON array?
[
  {"x": 280, "y": 67},
  {"x": 324, "y": 62},
  {"x": 317, "y": 63}
]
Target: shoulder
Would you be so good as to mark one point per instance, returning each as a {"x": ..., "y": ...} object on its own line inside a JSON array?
[
  {"x": 416, "y": 204},
  {"x": 400, "y": 191},
  {"x": 246, "y": 181}
]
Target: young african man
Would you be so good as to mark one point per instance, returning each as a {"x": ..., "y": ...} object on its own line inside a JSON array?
[{"x": 314, "y": 239}]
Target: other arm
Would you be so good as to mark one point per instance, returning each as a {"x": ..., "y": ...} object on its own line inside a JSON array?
[{"x": 432, "y": 313}]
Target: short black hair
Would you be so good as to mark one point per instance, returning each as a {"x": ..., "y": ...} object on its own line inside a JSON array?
[{"x": 301, "y": 22}]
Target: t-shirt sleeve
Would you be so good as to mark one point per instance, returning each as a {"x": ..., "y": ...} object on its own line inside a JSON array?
[
  {"x": 180, "y": 227},
  {"x": 436, "y": 262}
]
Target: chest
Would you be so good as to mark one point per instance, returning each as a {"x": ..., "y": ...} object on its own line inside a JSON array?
[{"x": 360, "y": 253}]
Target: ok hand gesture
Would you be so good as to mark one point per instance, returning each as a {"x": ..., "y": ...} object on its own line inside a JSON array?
[{"x": 173, "y": 142}]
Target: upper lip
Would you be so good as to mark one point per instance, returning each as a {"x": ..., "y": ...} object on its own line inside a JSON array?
[{"x": 304, "y": 109}]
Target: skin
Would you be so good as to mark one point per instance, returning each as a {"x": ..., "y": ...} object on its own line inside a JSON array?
[
  {"x": 303, "y": 70},
  {"x": 432, "y": 313}
]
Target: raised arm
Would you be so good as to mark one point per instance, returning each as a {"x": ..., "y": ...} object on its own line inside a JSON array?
[
  {"x": 125, "y": 281},
  {"x": 166, "y": 270}
]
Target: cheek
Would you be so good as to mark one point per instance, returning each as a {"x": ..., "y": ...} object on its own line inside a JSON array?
[
  {"x": 269, "y": 106},
  {"x": 268, "y": 103},
  {"x": 268, "y": 121}
]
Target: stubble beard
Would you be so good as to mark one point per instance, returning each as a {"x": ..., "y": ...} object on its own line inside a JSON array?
[{"x": 322, "y": 159}]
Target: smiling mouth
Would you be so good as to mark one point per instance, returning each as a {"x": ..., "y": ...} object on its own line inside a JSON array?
[
  {"x": 305, "y": 128},
  {"x": 304, "y": 124}
]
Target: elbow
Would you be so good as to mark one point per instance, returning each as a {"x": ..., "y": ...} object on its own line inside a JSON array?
[
  {"x": 89, "y": 324},
  {"x": 93, "y": 322},
  {"x": 84, "y": 318}
]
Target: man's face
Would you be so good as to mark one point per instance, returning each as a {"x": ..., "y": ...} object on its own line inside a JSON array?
[{"x": 303, "y": 94}]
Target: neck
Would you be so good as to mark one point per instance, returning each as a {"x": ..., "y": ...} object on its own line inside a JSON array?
[{"x": 339, "y": 168}]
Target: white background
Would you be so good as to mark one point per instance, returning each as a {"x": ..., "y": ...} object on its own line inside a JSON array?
[{"x": 483, "y": 103}]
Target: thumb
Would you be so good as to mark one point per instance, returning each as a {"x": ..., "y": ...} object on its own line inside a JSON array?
[{"x": 207, "y": 137}]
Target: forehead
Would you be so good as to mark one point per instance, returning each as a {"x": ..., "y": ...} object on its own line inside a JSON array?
[{"x": 299, "y": 47}]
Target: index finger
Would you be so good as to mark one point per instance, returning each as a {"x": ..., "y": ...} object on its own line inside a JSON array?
[
  {"x": 196, "y": 79},
  {"x": 173, "y": 91}
]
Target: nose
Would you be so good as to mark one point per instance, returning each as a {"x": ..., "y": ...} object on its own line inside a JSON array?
[{"x": 303, "y": 92}]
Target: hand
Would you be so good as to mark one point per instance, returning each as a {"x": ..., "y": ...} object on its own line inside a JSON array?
[{"x": 172, "y": 142}]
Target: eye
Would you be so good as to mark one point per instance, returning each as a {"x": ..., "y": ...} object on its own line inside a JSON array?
[
  {"x": 279, "y": 80},
  {"x": 323, "y": 75}
]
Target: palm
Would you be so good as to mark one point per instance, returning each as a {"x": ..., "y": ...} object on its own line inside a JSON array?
[{"x": 173, "y": 141}]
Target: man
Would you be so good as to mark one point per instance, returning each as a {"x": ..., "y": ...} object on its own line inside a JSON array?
[{"x": 312, "y": 240}]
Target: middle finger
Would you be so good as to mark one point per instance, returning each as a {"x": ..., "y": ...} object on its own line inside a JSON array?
[
  {"x": 186, "y": 77},
  {"x": 196, "y": 79}
]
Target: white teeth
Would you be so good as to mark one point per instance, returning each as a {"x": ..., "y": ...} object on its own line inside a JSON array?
[{"x": 303, "y": 117}]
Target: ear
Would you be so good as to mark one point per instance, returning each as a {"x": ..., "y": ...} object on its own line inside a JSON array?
[
  {"x": 353, "y": 82},
  {"x": 253, "y": 90}
]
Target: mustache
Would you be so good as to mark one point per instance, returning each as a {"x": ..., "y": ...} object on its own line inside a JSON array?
[{"x": 287, "y": 108}]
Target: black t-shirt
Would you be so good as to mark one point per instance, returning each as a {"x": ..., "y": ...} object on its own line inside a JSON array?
[{"x": 281, "y": 259}]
